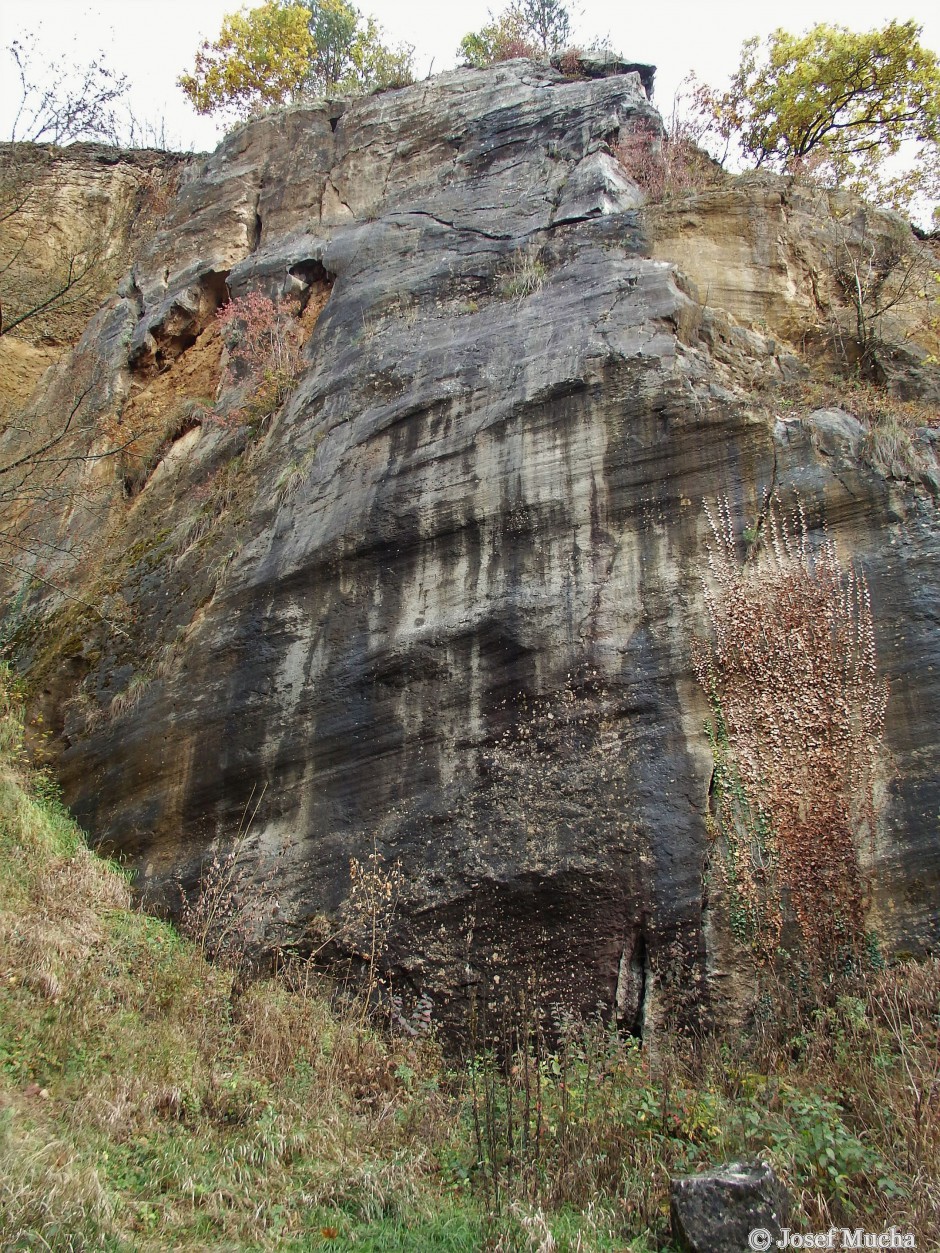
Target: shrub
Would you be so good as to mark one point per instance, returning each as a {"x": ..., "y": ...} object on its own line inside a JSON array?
[
  {"x": 879, "y": 275},
  {"x": 664, "y": 166},
  {"x": 263, "y": 341},
  {"x": 503, "y": 38},
  {"x": 234, "y": 903}
]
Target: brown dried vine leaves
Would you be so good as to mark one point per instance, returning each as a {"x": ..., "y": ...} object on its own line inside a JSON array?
[{"x": 798, "y": 717}]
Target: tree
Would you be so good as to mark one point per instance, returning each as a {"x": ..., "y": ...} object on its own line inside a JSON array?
[
  {"x": 877, "y": 273},
  {"x": 48, "y": 456},
  {"x": 262, "y": 57},
  {"x": 50, "y": 280},
  {"x": 74, "y": 101},
  {"x": 838, "y": 102},
  {"x": 351, "y": 55},
  {"x": 333, "y": 25},
  {"x": 373, "y": 64},
  {"x": 547, "y": 23},
  {"x": 530, "y": 28},
  {"x": 502, "y": 39},
  {"x": 286, "y": 51}
]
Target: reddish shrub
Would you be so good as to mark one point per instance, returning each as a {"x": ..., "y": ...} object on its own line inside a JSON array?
[
  {"x": 569, "y": 63},
  {"x": 664, "y": 166},
  {"x": 263, "y": 340}
]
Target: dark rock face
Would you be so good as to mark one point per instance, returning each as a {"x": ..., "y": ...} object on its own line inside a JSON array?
[
  {"x": 604, "y": 64},
  {"x": 717, "y": 1211},
  {"x": 462, "y": 639}
]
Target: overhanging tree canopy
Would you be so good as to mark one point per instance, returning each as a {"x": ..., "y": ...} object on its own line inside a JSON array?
[{"x": 837, "y": 98}]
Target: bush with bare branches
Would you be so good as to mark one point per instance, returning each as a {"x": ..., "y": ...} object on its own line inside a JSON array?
[
  {"x": 666, "y": 165},
  {"x": 879, "y": 275},
  {"x": 263, "y": 339}
]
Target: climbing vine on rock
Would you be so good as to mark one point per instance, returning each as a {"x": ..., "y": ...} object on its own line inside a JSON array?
[{"x": 798, "y": 713}]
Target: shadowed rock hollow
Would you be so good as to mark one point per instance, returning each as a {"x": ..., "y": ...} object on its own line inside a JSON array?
[{"x": 454, "y": 622}]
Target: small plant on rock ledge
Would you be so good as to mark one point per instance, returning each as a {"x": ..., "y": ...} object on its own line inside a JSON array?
[
  {"x": 798, "y": 713},
  {"x": 526, "y": 277},
  {"x": 263, "y": 339}
]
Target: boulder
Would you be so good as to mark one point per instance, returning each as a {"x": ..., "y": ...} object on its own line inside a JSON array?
[
  {"x": 837, "y": 433},
  {"x": 717, "y": 1211}
]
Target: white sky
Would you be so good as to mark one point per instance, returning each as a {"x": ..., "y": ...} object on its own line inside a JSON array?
[{"x": 153, "y": 41}]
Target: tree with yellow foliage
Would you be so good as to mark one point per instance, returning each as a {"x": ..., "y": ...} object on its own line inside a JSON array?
[
  {"x": 284, "y": 51},
  {"x": 261, "y": 57},
  {"x": 860, "y": 110}
]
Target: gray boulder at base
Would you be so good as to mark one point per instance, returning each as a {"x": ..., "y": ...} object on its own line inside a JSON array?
[{"x": 715, "y": 1212}]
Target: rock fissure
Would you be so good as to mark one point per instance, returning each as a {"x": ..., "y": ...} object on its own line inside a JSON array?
[{"x": 448, "y": 225}]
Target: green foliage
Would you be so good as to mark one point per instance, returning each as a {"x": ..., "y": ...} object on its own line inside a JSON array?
[
  {"x": 373, "y": 65},
  {"x": 837, "y": 103},
  {"x": 502, "y": 38},
  {"x": 586, "y": 1115},
  {"x": 333, "y": 25},
  {"x": 283, "y": 51},
  {"x": 751, "y": 857},
  {"x": 261, "y": 57},
  {"x": 351, "y": 55},
  {"x": 822, "y": 1149},
  {"x": 528, "y": 28}
]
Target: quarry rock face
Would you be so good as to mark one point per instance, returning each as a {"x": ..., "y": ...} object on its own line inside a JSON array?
[
  {"x": 78, "y": 207},
  {"x": 449, "y": 620}
]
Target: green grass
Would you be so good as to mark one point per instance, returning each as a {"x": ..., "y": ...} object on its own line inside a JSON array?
[{"x": 149, "y": 1102}]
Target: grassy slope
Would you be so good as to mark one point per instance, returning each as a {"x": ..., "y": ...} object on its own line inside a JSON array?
[{"x": 144, "y": 1105}]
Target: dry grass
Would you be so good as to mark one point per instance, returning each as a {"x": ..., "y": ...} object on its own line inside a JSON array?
[
  {"x": 890, "y": 446},
  {"x": 148, "y": 1100},
  {"x": 868, "y": 402},
  {"x": 525, "y": 278}
]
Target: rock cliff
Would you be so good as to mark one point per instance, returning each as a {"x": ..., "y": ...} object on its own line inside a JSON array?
[
  {"x": 440, "y": 605},
  {"x": 68, "y": 219}
]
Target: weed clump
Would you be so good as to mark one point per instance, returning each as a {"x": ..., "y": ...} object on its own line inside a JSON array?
[{"x": 526, "y": 277}]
